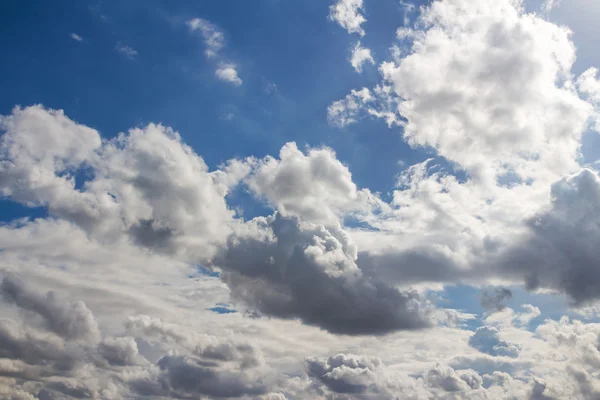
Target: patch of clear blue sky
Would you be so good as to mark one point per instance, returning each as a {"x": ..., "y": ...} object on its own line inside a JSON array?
[{"x": 222, "y": 309}]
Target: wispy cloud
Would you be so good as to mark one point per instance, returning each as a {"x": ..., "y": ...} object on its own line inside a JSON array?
[
  {"x": 214, "y": 41},
  {"x": 76, "y": 37},
  {"x": 126, "y": 51},
  {"x": 213, "y": 38}
]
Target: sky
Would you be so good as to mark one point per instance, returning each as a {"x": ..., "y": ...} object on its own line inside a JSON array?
[{"x": 275, "y": 199}]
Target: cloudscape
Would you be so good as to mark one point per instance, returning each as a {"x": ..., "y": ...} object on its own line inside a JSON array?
[{"x": 277, "y": 199}]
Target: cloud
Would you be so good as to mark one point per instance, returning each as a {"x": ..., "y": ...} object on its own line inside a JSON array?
[
  {"x": 349, "y": 376},
  {"x": 347, "y": 13},
  {"x": 76, "y": 37},
  {"x": 192, "y": 365},
  {"x": 455, "y": 97},
  {"x": 495, "y": 301},
  {"x": 487, "y": 340},
  {"x": 214, "y": 39},
  {"x": 360, "y": 56},
  {"x": 316, "y": 187},
  {"x": 228, "y": 73},
  {"x": 120, "y": 351},
  {"x": 121, "y": 199},
  {"x": 500, "y": 105},
  {"x": 69, "y": 320},
  {"x": 214, "y": 42},
  {"x": 557, "y": 251},
  {"x": 288, "y": 269},
  {"x": 127, "y": 51},
  {"x": 344, "y": 112}
]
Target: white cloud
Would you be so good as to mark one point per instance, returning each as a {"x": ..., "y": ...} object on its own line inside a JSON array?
[
  {"x": 347, "y": 13},
  {"x": 76, "y": 37},
  {"x": 461, "y": 97},
  {"x": 228, "y": 73},
  {"x": 214, "y": 41},
  {"x": 360, "y": 55},
  {"x": 344, "y": 112},
  {"x": 315, "y": 187}
]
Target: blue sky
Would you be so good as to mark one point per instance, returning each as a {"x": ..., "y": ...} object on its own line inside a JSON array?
[{"x": 459, "y": 157}]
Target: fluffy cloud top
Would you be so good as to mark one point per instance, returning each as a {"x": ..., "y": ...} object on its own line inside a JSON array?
[{"x": 347, "y": 13}]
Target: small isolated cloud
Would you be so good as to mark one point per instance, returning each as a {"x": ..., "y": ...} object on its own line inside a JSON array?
[
  {"x": 214, "y": 41},
  {"x": 76, "y": 37},
  {"x": 347, "y": 13},
  {"x": 228, "y": 73},
  {"x": 126, "y": 51},
  {"x": 495, "y": 300},
  {"x": 361, "y": 55}
]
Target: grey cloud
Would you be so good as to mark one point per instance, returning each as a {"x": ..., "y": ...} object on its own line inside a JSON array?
[
  {"x": 560, "y": 250},
  {"x": 446, "y": 378},
  {"x": 27, "y": 345},
  {"x": 72, "y": 320},
  {"x": 290, "y": 270},
  {"x": 197, "y": 365},
  {"x": 346, "y": 373},
  {"x": 188, "y": 376},
  {"x": 416, "y": 265},
  {"x": 119, "y": 351},
  {"x": 190, "y": 365},
  {"x": 494, "y": 301},
  {"x": 348, "y": 376}
]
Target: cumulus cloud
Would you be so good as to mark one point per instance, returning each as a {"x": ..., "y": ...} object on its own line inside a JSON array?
[
  {"x": 289, "y": 269},
  {"x": 69, "y": 320},
  {"x": 136, "y": 178},
  {"x": 348, "y": 376},
  {"x": 314, "y": 186},
  {"x": 347, "y": 13},
  {"x": 191, "y": 366},
  {"x": 487, "y": 340},
  {"x": 481, "y": 93},
  {"x": 360, "y": 56}
]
